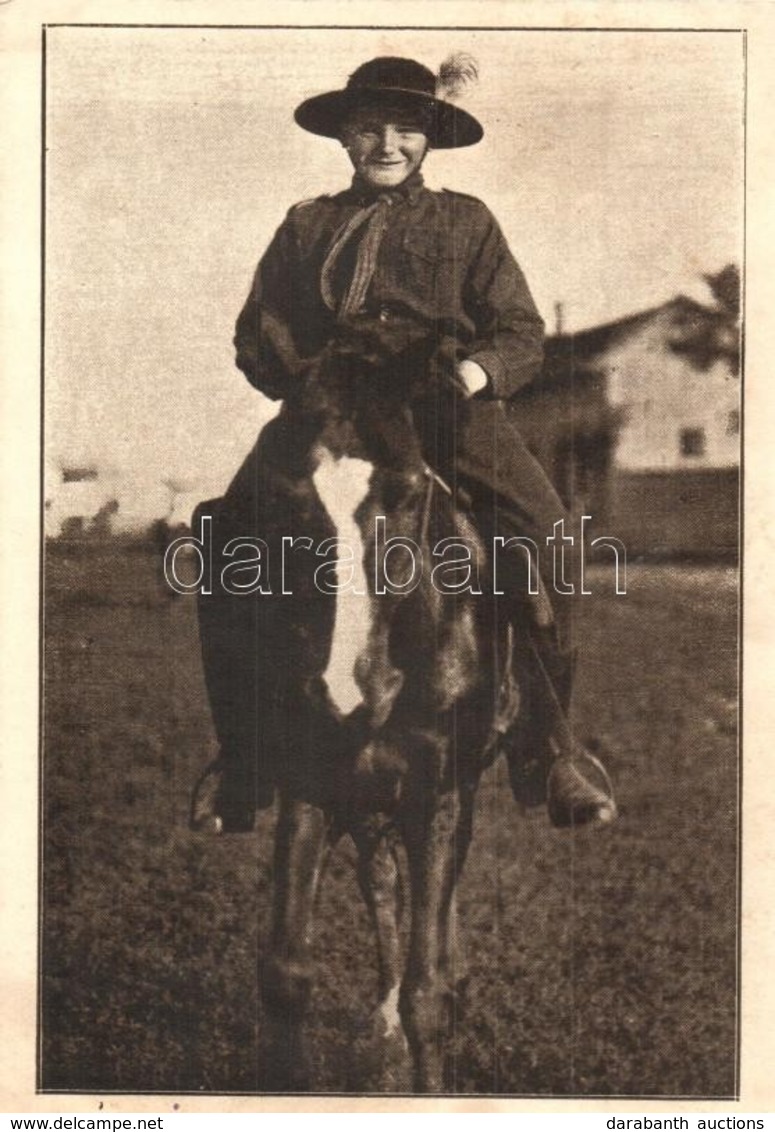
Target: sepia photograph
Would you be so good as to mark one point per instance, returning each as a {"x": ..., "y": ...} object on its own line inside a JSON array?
[{"x": 391, "y": 561}]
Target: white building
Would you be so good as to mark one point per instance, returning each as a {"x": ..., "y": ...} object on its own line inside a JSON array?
[
  {"x": 674, "y": 415},
  {"x": 638, "y": 424}
]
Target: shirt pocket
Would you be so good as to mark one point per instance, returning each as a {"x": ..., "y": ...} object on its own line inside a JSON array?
[{"x": 429, "y": 265}]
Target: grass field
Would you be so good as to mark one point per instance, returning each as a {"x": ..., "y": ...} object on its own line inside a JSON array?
[{"x": 601, "y": 964}]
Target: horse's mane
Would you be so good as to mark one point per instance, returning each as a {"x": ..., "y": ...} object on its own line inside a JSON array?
[{"x": 388, "y": 385}]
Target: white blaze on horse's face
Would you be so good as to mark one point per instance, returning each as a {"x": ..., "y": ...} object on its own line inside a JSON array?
[{"x": 342, "y": 484}]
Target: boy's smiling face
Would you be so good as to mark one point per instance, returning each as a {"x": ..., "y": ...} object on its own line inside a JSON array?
[{"x": 385, "y": 144}]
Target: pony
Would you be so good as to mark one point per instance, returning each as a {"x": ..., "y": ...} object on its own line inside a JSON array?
[{"x": 372, "y": 682}]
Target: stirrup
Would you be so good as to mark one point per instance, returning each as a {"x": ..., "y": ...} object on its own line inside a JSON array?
[
  {"x": 572, "y": 799},
  {"x": 216, "y": 807}
]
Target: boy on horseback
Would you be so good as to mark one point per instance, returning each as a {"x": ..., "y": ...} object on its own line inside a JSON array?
[{"x": 389, "y": 255}]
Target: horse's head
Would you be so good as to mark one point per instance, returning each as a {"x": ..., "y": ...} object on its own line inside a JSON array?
[
  {"x": 362, "y": 413},
  {"x": 370, "y": 396}
]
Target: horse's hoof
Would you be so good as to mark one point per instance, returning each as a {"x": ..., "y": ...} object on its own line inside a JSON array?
[{"x": 380, "y": 1058}]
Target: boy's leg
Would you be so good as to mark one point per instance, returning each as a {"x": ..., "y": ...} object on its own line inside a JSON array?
[
  {"x": 232, "y": 631},
  {"x": 235, "y": 632},
  {"x": 514, "y": 499}
]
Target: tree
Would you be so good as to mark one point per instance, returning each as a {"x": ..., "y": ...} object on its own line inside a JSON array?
[
  {"x": 725, "y": 287},
  {"x": 708, "y": 334}
]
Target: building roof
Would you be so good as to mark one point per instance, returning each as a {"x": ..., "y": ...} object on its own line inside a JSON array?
[{"x": 574, "y": 356}]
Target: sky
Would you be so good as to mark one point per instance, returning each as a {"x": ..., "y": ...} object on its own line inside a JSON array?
[{"x": 613, "y": 161}]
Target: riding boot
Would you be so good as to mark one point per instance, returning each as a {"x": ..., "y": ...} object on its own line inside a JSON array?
[
  {"x": 239, "y": 781},
  {"x": 577, "y": 787},
  {"x": 227, "y": 796},
  {"x": 546, "y": 761}
]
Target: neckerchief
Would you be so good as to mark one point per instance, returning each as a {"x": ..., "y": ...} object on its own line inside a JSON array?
[{"x": 372, "y": 217}]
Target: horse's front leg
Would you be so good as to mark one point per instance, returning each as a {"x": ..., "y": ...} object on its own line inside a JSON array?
[
  {"x": 453, "y": 966},
  {"x": 380, "y": 883},
  {"x": 431, "y": 842},
  {"x": 286, "y": 978}
]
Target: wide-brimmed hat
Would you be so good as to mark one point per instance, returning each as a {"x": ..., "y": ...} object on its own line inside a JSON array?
[{"x": 401, "y": 82}]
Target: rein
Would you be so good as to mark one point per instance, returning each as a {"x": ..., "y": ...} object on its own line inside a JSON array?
[{"x": 433, "y": 478}]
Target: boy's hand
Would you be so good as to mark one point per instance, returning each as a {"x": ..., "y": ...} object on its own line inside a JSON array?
[{"x": 472, "y": 377}]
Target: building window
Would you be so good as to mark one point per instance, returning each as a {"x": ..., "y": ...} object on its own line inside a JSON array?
[
  {"x": 733, "y": 422},
  {"x": 692, "y": 441}
]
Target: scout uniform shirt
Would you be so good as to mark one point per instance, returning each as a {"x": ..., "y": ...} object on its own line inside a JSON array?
[{"x": 442, "y": 263}]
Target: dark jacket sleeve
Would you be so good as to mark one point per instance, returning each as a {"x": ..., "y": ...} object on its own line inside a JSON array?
[
  {"x": 267, "y": 350},
  {"x": 510, "y": 331}
]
